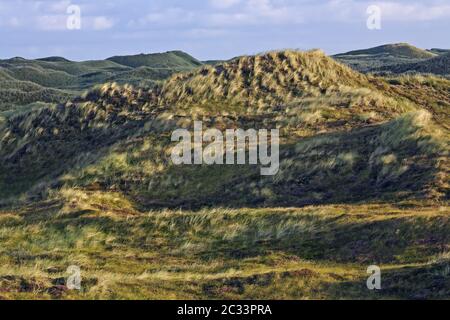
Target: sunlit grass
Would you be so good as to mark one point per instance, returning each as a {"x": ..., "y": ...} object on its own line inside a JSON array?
[{"x": 310, "y": 253}]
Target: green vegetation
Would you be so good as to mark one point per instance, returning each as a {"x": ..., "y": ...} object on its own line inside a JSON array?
[
  {"x": 439, "y": 51},
  {"x": 430, "y": 92},
  {"x": 213, "y": 62},
  {"x": 363, "y": 180},
  {"x": 382, "y": 58},
  {"x": 309, "y": 253},
  {"x": 398, "y": 50},
  {"x": 56, "y": 80},
  {"x": 438, "y": 66},
  {"x": 398, "y": 58},
  {"x": 169, "y": 60}
]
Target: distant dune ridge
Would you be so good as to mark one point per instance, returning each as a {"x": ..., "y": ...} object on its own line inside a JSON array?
[
  {"x": 398, "y": 49},
  {"x": 439, "y": 65},
  {"x": 55, "y": 79},
  {"x": 168, "y": 60},
  {"x": 397, "y": 58},
  {"x": 304, "y": 94}
]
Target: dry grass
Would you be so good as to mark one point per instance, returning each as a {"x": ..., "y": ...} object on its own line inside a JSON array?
[
  {"x": 309, "y": 253},
  {"x": 90, "y": 183}
]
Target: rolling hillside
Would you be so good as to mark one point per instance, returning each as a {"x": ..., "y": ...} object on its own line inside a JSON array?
[
  {"x": 396, "y": 50},
  {"x": 371, "y": 60},
  {"x": 169, "y": 60},
  {"x": 303, "y": 93},
  {"x": 363, "y": 180},
  {"x": 307, "y": 95},
  {"x": 54, "y": 79},
  {"x": 439, "y": 51},
  {"x": 14, "y": 93},
  {"x": 439, "y": 65}
]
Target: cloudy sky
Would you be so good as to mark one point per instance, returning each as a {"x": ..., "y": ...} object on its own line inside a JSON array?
[{"x": 213, "y": 29}]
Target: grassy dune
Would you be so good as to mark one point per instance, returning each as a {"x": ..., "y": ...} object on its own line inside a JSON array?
[
  {"x": 387, "y": 58},
  {"x": 57, "y": 80},
  {"x": 363, "y": 181},
  {"x": 271, "y": 253},
  {"x": 438, "y": 65},
  {"x": 397, "y": 50}
]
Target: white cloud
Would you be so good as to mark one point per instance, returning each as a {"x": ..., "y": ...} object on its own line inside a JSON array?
[
  {"x": 51, "y": 15},
  {"x": 258, "y": 12},
  {"x": 248, "y": 12},
  {"x": 168, "y": 17},
  {"x": 102, "y": 23},
  {"x": 59, "y": 23},
  {"x": 57, "y": 7},
  {"x": 51, "y": 22},
  {"x": 413, "y": 11},
  {"x": 223, "y": 4},
  {"x": 395, "y": 11},
  {"x": 216, "y": 14},
  {"x": 202, "y": 33},
  {"x": 14, "y": 22}
]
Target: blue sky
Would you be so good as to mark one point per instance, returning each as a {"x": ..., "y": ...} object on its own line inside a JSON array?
[{"x": 214, "y": 29}]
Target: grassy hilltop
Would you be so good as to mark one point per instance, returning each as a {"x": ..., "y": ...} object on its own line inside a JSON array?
[
  {"x": 56, "y": 80},
  {"x": 439, "y": 65},
  {"x": 363, "y": 180},
  {"x": 396, "y": 58},
  {"x": 396, "y": 50}
]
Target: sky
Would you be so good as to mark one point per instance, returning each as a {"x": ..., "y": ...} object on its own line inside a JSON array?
[{"x": 214, "y": 29}]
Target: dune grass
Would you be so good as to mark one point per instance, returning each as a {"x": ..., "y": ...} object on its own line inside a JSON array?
[
  {"x": 272, "y": 253},
  {"x": 363, "y": 180}
]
